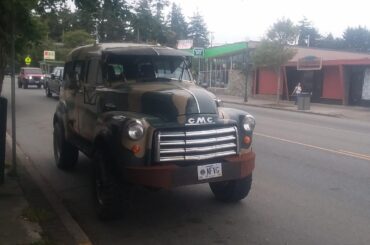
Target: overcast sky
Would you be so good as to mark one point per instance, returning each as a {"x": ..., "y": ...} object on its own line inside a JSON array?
[{"x": 240, "y": 20}]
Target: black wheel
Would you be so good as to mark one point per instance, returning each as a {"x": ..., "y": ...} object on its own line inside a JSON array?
[
  {"x": 48, "y": 92},
  {"x": 19, "y": 85},
  {"x": 65, "y": 154},
  {"x": 107, "y": 192},
  {"x": 38, "y": 85},
  {"x": 232, "y": 190},
  {"x": 25, "y": 85}
]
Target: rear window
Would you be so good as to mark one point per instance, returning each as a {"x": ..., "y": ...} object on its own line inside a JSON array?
[{"x": 32, "y": 71}]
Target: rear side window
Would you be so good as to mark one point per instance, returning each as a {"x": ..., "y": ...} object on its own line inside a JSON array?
[
  {"x": 94, "y": 72},
  {"x": 68, "y": 69},
  {"x": 79, "y": 69}
]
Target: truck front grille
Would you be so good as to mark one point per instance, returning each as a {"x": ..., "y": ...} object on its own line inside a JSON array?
[{"x": 196, "y": 144}]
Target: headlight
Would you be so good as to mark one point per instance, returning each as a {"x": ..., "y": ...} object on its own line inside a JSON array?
[
  {"x": 42, "y": 78},
  {"x": 249, "y": 123},
  {"x": 30, "y": 77},
  {"x": 135, "y": 130}
]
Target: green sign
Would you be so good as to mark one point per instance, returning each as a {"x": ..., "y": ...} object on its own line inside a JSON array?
[
  {"x": 27, "y": 60},
  {"x": 198, "y": 52}
]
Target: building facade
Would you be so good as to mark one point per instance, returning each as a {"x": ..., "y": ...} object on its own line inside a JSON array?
[{"x": 335, "y": 77}]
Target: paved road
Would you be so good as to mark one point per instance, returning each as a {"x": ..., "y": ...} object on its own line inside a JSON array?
[{"x": 311, "y": 186}]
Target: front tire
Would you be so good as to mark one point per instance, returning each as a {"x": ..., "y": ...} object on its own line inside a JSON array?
[
  {"x": 65, "y": 154},
  {"x": 25, "y": 85},
  {"x": 48, "y": 92},
  {"x": 107, "y": 193},
  {"x": 231, "y": 190}
]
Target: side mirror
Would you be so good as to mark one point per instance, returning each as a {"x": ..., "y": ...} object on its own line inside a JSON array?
[{"x": 219, "y": 102}]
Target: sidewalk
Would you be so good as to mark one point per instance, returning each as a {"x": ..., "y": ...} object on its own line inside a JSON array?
[
  {"x": 352, "y": 112},
  {"x": 31, "y": 212},
  {"x": 16, "y": 226}
]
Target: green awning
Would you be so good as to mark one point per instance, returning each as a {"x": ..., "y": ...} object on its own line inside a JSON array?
[{"x": 225, "y": 50}]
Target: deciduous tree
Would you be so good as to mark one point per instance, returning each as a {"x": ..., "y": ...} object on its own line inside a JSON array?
[
  {"x": 283, "y": 31},
  {"x": 28, "y": 29},
  {"x": 272, "y": 54}
]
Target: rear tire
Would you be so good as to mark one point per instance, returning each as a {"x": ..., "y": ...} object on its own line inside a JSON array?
[
  {"x": 19, "y": 85},
  {"x": 107, "y": 193},
  {"x": 65, "y": 154},
  {"x": 231, "y": 190},
  {"x": 39, "y": 86},
  {"x": 25, "y": 85}
]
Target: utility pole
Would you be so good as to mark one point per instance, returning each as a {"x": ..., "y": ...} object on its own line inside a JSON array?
[{"x": 13, "y": 171}]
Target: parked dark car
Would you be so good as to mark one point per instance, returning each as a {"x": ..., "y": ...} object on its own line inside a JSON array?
[
  {"x": 54, "y": 83},
  {"x": 30, "y": 76}
]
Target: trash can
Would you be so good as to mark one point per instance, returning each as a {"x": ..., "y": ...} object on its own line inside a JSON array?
[{"x": 304, "y": 101}]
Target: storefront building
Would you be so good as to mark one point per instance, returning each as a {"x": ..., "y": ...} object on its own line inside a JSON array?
[{"x": 334, "y": 77}]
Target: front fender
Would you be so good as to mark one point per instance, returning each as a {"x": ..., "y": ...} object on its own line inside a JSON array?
[
  {"x": 60, "y": 116},
  {"x": 238, "y": 116}
]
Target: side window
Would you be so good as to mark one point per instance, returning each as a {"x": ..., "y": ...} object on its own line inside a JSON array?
[
  {"x": 68, "y": 68},
  {"x": 79, "y": 69},
  {"x": 94, "y": 72}
]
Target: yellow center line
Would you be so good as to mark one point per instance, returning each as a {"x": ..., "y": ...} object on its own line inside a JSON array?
[
  {"x": 356, "y": 154},
  {"x": 341, "y": 152}
]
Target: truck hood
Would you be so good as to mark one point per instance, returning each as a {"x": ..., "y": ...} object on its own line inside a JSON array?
[
  {"x": 34, "y": 75},
  {"x": 166, "y": 100}
]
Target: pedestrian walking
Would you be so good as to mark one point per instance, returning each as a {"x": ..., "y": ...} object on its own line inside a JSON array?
[{"x": 297, "y": 91}]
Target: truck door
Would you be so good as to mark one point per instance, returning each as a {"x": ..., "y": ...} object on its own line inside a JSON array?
[
  {"x": 74, "y": 77},
  {"x": 88, "y": 110}
]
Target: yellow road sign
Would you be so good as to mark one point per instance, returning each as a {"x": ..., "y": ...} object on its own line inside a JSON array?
[{"x": 27, "y": 60}]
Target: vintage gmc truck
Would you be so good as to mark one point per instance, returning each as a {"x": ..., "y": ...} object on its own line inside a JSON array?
[{"x": 137, "y": 112}]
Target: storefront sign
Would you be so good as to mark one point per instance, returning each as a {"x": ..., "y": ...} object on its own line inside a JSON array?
[
  {"x": 184, "y": 44},
  {"x": 49, "y": 55},
  {"x": 309, "y": 63}
]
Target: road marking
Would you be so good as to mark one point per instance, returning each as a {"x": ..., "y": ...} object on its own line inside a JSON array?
[
  {"x": 356, "y": 154},
  {"x": 341, "y": 152}
]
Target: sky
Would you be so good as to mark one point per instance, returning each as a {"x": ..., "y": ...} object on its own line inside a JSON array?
[{"x": 242, "y": 20}]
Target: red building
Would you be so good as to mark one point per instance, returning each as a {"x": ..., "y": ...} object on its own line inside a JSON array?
[{"x": 336, "y": 77}]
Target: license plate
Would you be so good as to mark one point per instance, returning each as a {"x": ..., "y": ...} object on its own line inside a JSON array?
[{"x": 209, "y": 171}]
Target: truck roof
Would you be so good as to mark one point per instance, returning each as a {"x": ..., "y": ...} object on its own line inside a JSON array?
[{"x": 124, "y": 49}]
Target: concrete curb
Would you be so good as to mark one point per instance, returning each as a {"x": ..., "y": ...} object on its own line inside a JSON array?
[
  {"x": 66, "y": 218},
  {"x": 283, "y": 109}
]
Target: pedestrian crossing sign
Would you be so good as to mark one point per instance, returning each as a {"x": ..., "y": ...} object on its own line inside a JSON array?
[{"x": 27, "y": 60}]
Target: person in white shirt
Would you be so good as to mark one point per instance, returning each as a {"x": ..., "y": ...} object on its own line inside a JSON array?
[{"x": 297, "y": 91}]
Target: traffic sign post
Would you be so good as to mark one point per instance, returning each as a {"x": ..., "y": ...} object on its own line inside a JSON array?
[{"x": 199, "y": 53}]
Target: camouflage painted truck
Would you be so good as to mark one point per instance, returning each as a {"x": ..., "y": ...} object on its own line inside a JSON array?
[{"x": 137, "y": 112}]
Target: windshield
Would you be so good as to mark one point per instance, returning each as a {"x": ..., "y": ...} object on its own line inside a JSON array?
[
  {"x": 145, "y": 68},
  {"x": 33, "y": 71}
]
